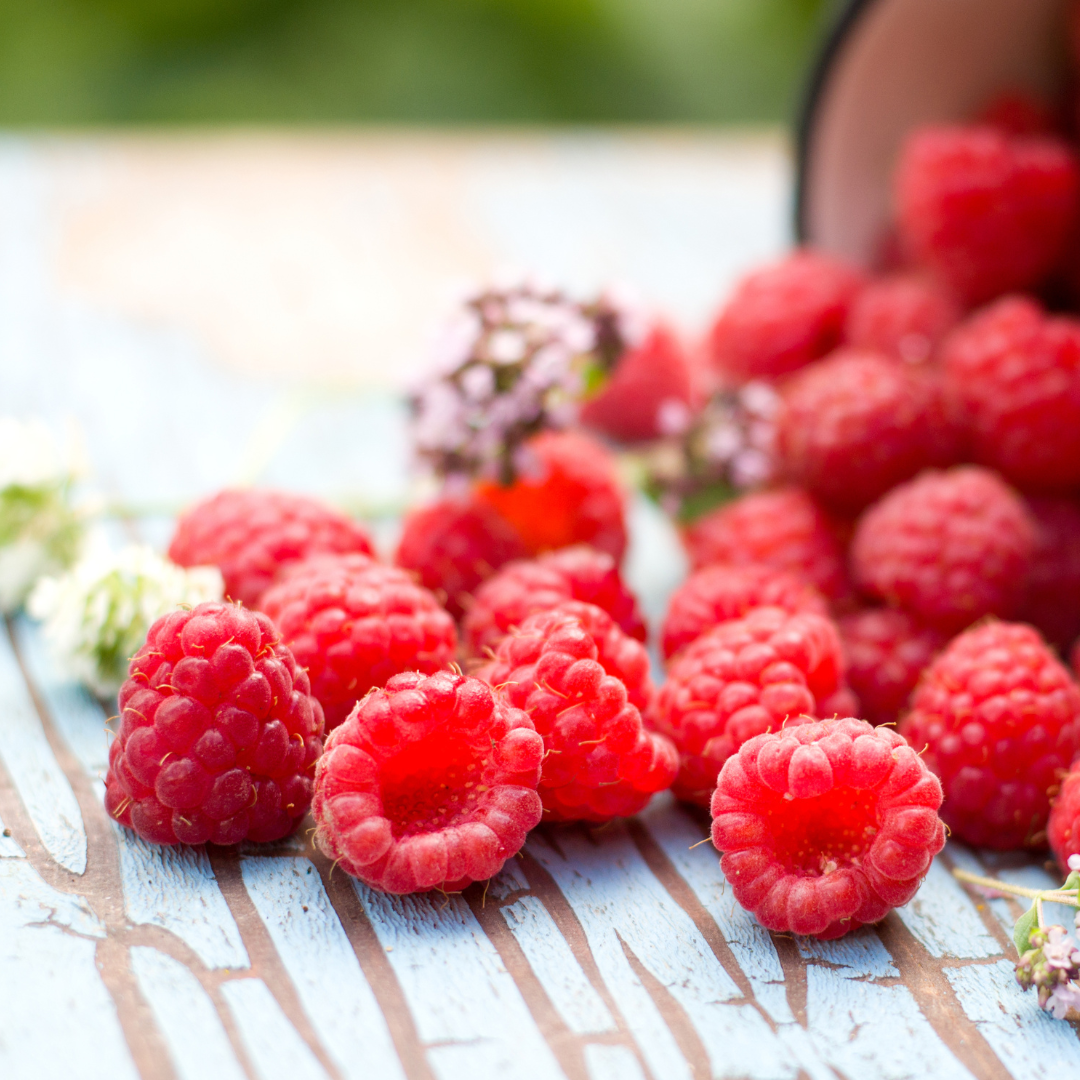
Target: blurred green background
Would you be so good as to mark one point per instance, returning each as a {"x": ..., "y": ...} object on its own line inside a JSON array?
[{"x": 72, "y": 62}]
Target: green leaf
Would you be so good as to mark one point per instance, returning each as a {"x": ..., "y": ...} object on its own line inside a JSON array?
[
  {"x": 1072, "y": 881},
  {"x": 1022, "y": 931}
]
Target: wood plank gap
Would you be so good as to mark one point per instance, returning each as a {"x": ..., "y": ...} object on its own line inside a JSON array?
[{"x": 794, "y": 968}]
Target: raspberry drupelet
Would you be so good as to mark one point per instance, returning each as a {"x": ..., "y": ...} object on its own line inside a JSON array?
[
  {"x": 999, "y": 716},
  {"x": 353, "y": 623},
  {"x": 1063, "y": 828},
  {"x": 720, "y": 592},
  {"x": 1052, "y": 597},
  {"x": 903, "y": 316},
  {"x": 219, "y": 733},
  {"x": 523, "y": 588},
  {"x": 582, "y": 680},
  {"x": 826, "y": 826},
  {"x": 738, "y": 680},
  {"x": 429, "y": 784},
  {"x": 252, "y": 535},
  {"x": 949, "y": 547}
]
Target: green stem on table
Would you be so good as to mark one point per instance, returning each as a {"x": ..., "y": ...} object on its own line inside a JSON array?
[{"x": 1068, "y": 897}]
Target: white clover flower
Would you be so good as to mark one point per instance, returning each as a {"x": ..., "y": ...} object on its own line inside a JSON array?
[{"x": 98, "y": 613}]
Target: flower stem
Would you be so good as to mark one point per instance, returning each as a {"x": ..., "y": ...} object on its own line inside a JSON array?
[{"x": 1049, "y": 896}]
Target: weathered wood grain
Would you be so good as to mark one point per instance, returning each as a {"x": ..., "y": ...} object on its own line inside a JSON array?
[
  {"x": 607, "y": 1062},
  {"x": 9, "y": 846}
]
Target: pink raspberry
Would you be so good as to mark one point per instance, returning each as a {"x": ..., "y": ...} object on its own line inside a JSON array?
[
  {"x": 986, "y": 211},
  {"x": 720, "y": 592},
  {"x": 1063, "y": 828},
  {"x": 949, "y": 547},
  {"x": 857, "y": 423},
  {"x": 903, "y": 316},
  {"x": 784, "y": 529},
  {"x": 429, "y": 784},
  {"x": 582, "y": 680},
  {"x": 1052, "y": 598},
  {"x": 826, "y": 826},
  {"x": 522, "y": 588},
  {"x": 1013, "y": 379},
  {"x": 1000, "y": 719},
  {"x": 783, "y": 316},
  {"x": 740, "y": 679},
  {"x": 454, "y": 544},
  {"x": 251, "y": 535},
  {"x": 353, "y": 623},
  {"x": 219, "y": 733},
  {"x": 886, "y": 652}
]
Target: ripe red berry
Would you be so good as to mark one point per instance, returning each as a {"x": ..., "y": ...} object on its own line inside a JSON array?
[
  {"x": 353, "y": 623},
  {"x": 903, "y": 316},
  {"x": 826, "y": 826},
  {"x": 986, "y": 211},
  {"x": 219, "y": 733},
  {"x": 454, "y": 544},
  {"x": 582, "y": 680},
  {"x": 1017, "y": 112},
  {"x": 721, "y": 592},
  {"x": 949, "y": 547},
  {"x": 1000, "y": 718},
  {"x": 1052, "y": 597},
  {"x": 784, "y": 529},
  {"x": 1063, "y": 828},
  {"x": 783, "y": 316},
  {"x": 740, "y": 679},
  {"x": 252, "y": 535},
  {"x": 523, "y": 588},
  {"x": 429, "y": 784}
]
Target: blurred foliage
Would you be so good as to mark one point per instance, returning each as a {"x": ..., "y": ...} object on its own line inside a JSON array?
[{"x": 69, "y": 62}]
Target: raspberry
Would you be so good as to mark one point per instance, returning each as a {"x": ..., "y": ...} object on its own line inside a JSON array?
[
  {"x": 1017, "y": 112},
  {"x": 784, "y": 529},
  {"x": 1000, "y": 717},
  {"x": 721, "y": 592},
  {"x": 1052, "y": 599},
  {"x": 855, "y": 424},
  {"x": 1013, "y": 378},
  {"x": 455, "y": 544},
  {"x": 219, "y": 733},
  {"x": 826, "y": 826},
  {"x": 582, "y": 680},
  {"x": 886, "y": 651},
  {"x": 353, "y": 623},
  {"x": 740, "y": 679},
  {"x": 649, "y": 391},
  {"x": 986, "y": 211},
  {"x": 429, "y": 784},
  {"x": 903, "y": 316},
  {"x": 251, "y": 535},
  {"x": 1063, "y": 828},
  {"x": 949, "y": 547},
  {"x": 783, "y": 316},
  {"x": 571, "y": 495},
  {"x": 523, "y": 588}
]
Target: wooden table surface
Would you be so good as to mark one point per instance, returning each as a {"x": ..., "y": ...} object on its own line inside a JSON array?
[{"x": 241, "y": 307}]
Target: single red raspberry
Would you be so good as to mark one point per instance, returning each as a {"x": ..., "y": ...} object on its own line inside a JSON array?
[
  {"x": 949, "y": 547},
  {"x": 1000, "y": 718},
  {"x": 783, "y": 316},
  {"x": 251, "y": 535},
  {"x": 454, "y": 544},
  {"x": 1013, "y": 379},
  {"x": 986, "y": 211},
  {"x": 844, "y": 702},
  {"x": 826, "y": 826},
  {"x": 569, "y": 494},
  {"x": 784, "y": 529},
  {"x": 857, "y": 423},
  {"x": 722, "y": 592},
  {"x": 738, "y": 680},
  {"x": 353, "y": 623},
  {"x": 1063, "y": 828},
  {"x": 903, "y": 316},
  {"x": 582, "y": 680},
  {"x": 219, "y": 733},
  {"x": 429, "y": 784},
  {"x": 1018, "y": 112},
  {"x": 523, "y": 588},
  {"x": 886, "y": 652},
  {"x": 1052, "y": 598}
]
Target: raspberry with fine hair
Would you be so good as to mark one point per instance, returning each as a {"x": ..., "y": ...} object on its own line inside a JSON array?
[
  {"x": 1000, "y": 719},
  {"x": 522, "y": 588},
  {"x": 785, "y": 529},
  {"x": 949, "y": 547},
  {"x": 904, "y": 316},
  {"x": 738, "y": 680},
  {"x": 720, "y": 592},
  {"x": 353, "y": 623},
  {"x": 826, "y": 826},
  {"x": 1063, "y": 828},
  {"x": 582, "y": 680},
  {"x": 429, "y": 784},
  {"x": 1052, "y": 596},
  {"x": 219, "y": 733}
]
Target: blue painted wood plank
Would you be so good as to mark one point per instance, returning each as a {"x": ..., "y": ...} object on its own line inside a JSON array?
[{"x": 605, "y": 1061}]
